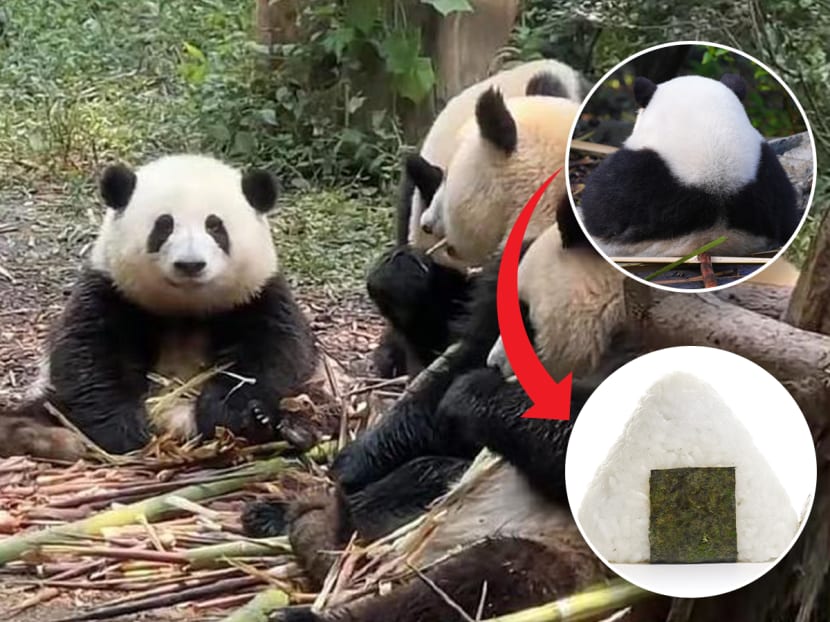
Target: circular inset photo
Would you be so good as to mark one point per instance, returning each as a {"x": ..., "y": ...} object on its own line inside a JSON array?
[
  {"x": 691, "y": 166},
  {"x": 690, "y": 472}
]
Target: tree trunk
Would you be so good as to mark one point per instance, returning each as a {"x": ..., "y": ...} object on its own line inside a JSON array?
[
  {"x": 466, "y": 44},
  {"x": 797, "y": 352}
]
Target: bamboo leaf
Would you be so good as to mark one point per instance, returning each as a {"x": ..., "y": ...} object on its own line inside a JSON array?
[
  {"x": 703, "y": 249},
  {"x": 259, "y": 607}
]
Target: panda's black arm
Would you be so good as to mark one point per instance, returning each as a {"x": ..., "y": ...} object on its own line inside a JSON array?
[
  {"x": 422, "y": 300},
  {"x": 267, "y": 341},
  {"x": 99, "y": 355},
  {"x": 269, "y": 338},
  {"x": 483, "y": 406},
  {"x": 411, "y": 428}
]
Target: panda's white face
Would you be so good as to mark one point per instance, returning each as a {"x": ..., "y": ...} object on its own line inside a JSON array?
[
  {"x": 700, "y": 129},
  {"x": 185, "y": 239}
]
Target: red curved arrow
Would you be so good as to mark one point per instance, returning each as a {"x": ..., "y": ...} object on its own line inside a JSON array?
[{"x": 551, "y": 399}]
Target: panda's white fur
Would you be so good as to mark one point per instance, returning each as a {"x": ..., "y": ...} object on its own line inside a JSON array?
[
  {"x": 492, "y": 499},
  {"x": 485, "y": 189},
  {"x": 780, "y": 272},
  {"x": 576, "y": 304},
  {"x": 702, "y": 132},
  {"x": 443, "y": 138},
  {"x": 191, "y": 187}
]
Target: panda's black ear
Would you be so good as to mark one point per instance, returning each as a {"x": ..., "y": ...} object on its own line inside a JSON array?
[
  {"x": 117, "y": 185},
  {"x": 426, "y": 177},
  {"x": 736, "y": 84},
  {"x": 570, "y": 232},
  {"x": 545, "y": 83},
  {"x": 261, "y": 189},
  {"x": 494, "y": 121},
  {"x": 643, "y": 91}
]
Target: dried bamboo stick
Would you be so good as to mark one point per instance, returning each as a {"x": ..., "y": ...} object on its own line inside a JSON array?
[
  {"x": 582, "y": 606},
  {"x": 212, "y": 554},
  {"x": 12, "y": 548}
]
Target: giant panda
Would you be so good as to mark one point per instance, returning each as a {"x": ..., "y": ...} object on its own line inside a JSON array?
[
  {"x": 693, "y": 169},
  {"x": 411, "y": 287},
  {"x": 424, "y": 173},
  {"x": 515, "y": 520},
  {"x": 183, "y": 277},
  {"x": 505, "y": 151}
]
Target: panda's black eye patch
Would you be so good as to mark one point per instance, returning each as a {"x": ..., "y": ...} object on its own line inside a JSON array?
[
  {"x": 162, "y": 229},
  {"x": 216, "y": 228}
]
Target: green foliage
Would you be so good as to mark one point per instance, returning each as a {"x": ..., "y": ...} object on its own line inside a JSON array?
[
  {"x": 788, "y": 36},
  {"x": 768, "y": 105},
  {"x": 82, "y": 83}
]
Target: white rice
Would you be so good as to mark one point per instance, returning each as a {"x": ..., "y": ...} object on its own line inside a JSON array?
[{"x": 681, "y": 421}]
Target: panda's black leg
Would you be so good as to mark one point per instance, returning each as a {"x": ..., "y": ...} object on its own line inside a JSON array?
[
  {"x": 484, "y": 406},
  {"x": 264, "y": 519},
  {"x": 389, "y": 358},
  {"x": 271, "y": 349},
  {"x": 98, "y": 361},
  {"x": 375, "y": 510},
  {"x": 518, "y": 574},
  {"x": 403, "y": 495}
]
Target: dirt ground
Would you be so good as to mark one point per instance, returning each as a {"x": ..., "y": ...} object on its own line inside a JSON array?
[{"x": 43, "y": 238}]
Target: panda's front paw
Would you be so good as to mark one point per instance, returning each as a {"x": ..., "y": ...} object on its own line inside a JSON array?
[
  {"x": 264, "y": 519},
  {"x": 238, "y": 409}
]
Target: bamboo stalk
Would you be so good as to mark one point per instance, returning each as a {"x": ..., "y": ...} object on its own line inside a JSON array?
[
  {"x": 145, "y": 604},
  {"x": 12, "y": 548},
  {"x": 258, "y": 608},
  {"x": 593, "y": 148},
  {"x": 714, "y": 259},
  {"x": 205, "y": 556},
  {"x": 583, "y": 606}
]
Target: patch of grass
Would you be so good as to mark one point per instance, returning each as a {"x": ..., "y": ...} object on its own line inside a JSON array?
[
  {"x": 86, "y": 83},
  {"x": 329, "y": 238}
]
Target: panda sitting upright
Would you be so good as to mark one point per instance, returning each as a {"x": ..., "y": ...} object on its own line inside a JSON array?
[
  {"x": 693, "y": 169},
  {"x": 183, "y": 278},
  {"x": 423, "y": 295}
]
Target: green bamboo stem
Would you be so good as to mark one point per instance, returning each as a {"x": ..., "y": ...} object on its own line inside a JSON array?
[
  {"x": 258, "y": 608},
  {"x": 151, "y": 509},
  {"x": 205, "y": 556},
  {"x": 583, "y": 606},
  {"x": 703, "y": 249}
]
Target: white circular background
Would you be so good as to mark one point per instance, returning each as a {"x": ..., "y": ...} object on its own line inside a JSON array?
[
  {"x": 760, "y": 403},
  {"x": 602, "y": 81}
]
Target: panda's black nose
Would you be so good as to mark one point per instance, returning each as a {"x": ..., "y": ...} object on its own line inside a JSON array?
[{"x": 189, "y": 268}]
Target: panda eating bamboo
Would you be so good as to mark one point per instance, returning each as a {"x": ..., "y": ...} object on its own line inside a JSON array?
[{"x": 183, "y": 278}]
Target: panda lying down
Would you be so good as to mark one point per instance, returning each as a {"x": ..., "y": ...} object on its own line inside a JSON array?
[
  {"x": 515, "y": 529},
  {"x": 183, "y": 277}
]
